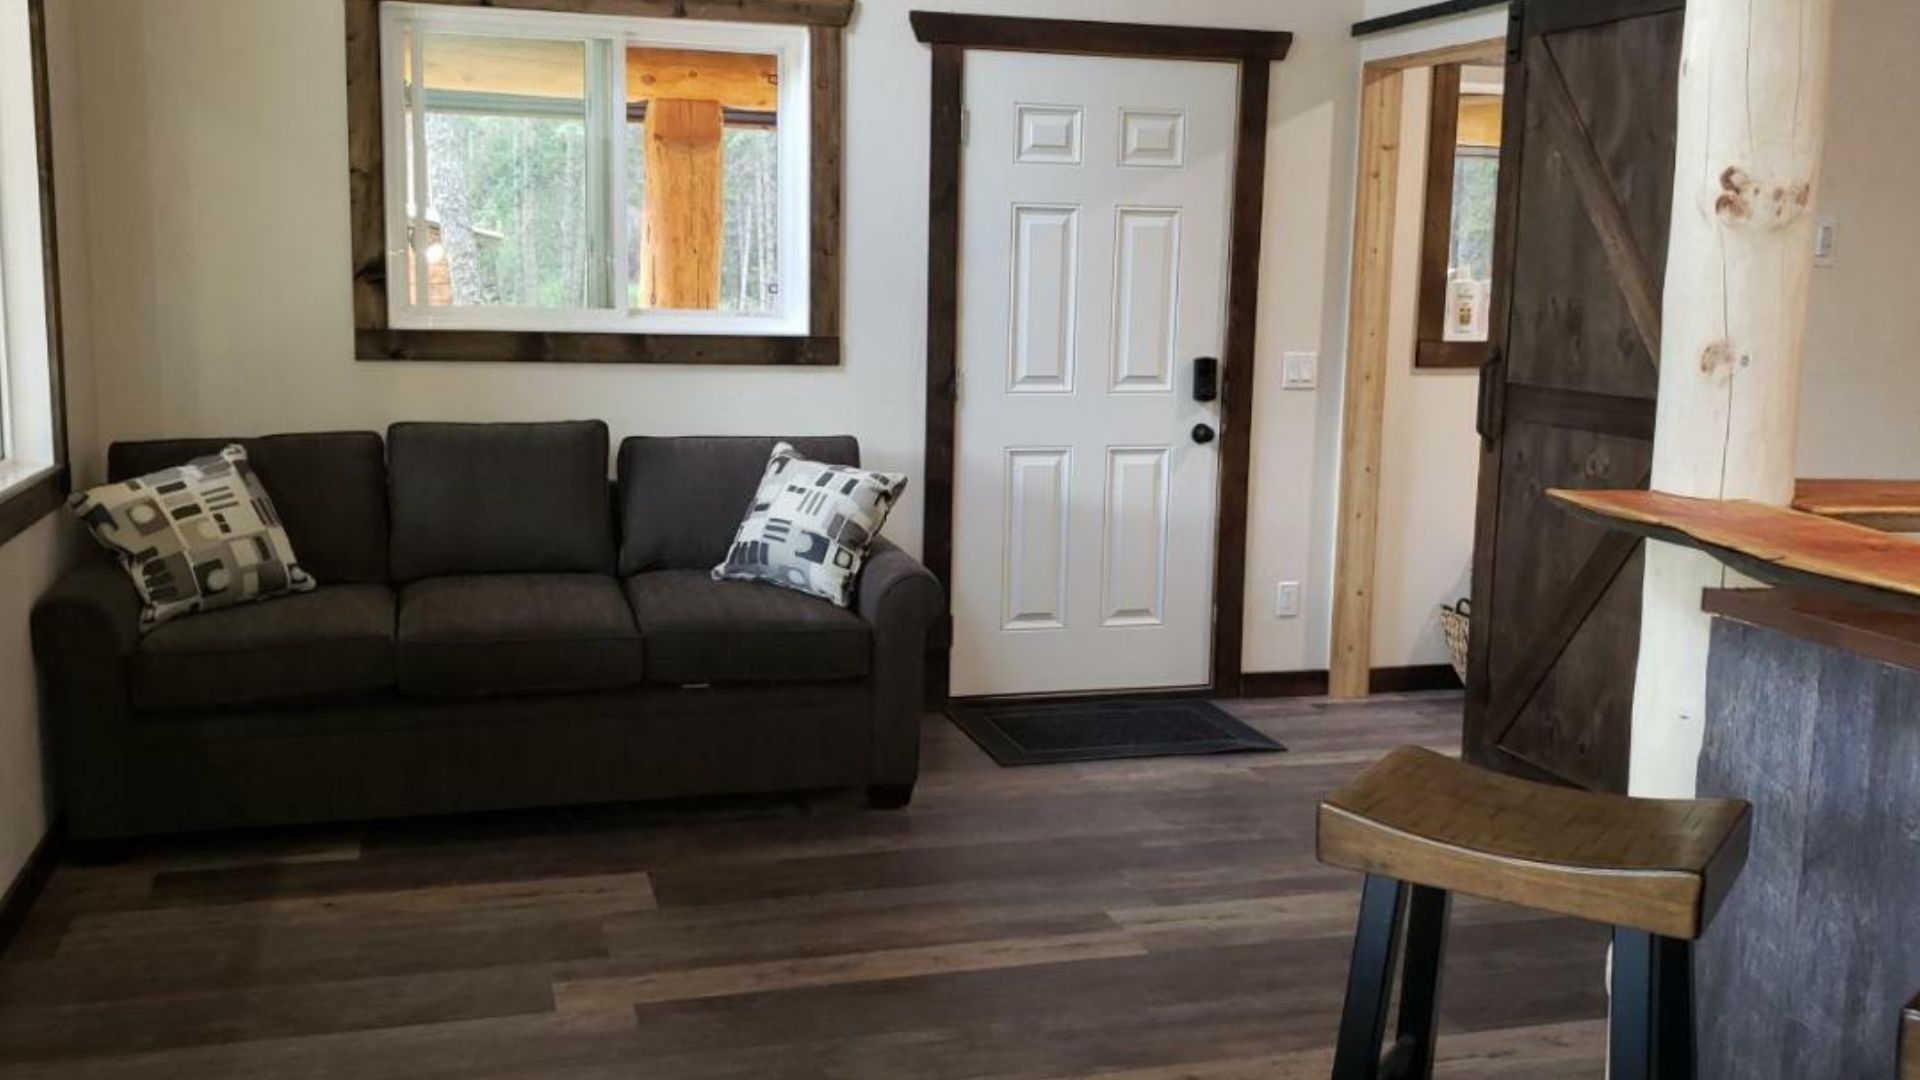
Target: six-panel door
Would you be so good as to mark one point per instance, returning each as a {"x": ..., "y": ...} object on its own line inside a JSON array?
[{"x": 1095, "y": 203}]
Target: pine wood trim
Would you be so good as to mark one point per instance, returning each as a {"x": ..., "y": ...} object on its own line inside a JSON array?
[
  {"x": 376, "y": 340},
  {"x": 1357, "y": 534},
  {"x": 949, "y": 36}
]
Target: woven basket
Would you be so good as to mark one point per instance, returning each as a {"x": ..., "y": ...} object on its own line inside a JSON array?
[{"x": 1454, "y": 621}]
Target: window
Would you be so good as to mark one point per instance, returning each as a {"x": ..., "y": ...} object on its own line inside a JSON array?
[
  {"x": 32, "y": 478},
  {"x": 1463, "y": 178},
  {"x": 574, "y": 174}
]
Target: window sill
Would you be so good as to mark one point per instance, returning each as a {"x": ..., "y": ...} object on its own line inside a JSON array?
[
  {"x": 1457, "y": 355},
  {"x": 554, "y": 348},
  {"x": 28, "y": 493}
]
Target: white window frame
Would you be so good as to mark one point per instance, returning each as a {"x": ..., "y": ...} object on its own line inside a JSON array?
[
  {"x": 607, "y": 38},
  {"x": 29, "y": 433},
  {"x": 7, "y": 425}
]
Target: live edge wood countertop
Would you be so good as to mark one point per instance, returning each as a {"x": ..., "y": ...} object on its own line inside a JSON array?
[{"x": 1888, "y": 635}]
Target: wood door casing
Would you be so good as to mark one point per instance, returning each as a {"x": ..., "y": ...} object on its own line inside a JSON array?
[{"x": 1586, "y": 180}]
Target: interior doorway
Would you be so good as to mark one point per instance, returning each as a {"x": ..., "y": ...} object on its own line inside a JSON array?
[{"x": 1419, "y": 331}]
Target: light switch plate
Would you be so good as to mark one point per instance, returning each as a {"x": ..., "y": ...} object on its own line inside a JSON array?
[
  {"x": 1299, "y": 370},
  {"x": 1826, "y": 237},
  {"x": 1286, "y": 600}
]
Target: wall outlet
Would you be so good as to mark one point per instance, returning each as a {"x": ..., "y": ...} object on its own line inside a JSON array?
[
  {"x": 1826, "y": 237},
  {"x": 1286, "y": 600},
  {"x": 1299, "y": 370}
]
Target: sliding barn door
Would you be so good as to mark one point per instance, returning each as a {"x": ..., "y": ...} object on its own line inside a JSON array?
[{"x": 1586, "y": 181}]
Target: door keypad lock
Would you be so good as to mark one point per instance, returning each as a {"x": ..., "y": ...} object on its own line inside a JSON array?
[{"x": 1206, "y": 379}]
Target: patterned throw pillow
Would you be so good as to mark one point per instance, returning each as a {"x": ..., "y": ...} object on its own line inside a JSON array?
[
  {"x": 194, "y": 538},
  {"x": 810, "y": 526}
]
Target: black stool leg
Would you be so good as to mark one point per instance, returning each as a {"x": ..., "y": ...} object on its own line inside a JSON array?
[
  {"x": 1412, "y": 1055},
  {"x": 1651, "y": 1028},
  {"x": 1376, "y": 942}
]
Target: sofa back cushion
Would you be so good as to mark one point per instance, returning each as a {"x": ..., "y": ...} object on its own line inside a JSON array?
[
  {"x": 329, "y": 488},
  {"x": 682, "y": 499},
  {"x": 500, "y": 499}
]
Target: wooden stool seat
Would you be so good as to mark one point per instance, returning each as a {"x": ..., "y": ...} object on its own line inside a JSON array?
[
  {"x": 1422, "y": 826},
  {"x": 1910, "y": 1040},
  {"x": 1651, "y": 864}
]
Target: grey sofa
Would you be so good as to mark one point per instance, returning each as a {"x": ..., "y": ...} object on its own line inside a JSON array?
[{"x": 495, "y": 627}]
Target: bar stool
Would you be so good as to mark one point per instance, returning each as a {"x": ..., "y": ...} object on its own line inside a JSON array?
[
  {"x": 1422, "y": 826},
  {"x": 1910, "y": 1040}
]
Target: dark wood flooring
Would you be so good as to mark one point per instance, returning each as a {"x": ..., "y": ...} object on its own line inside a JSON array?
[{"x": 1147, "y": 920}]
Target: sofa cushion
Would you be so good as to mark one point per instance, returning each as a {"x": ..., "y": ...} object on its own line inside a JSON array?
[
  {"x": 516, "y": 633},
  {"x": 500, "y": 499},
  {"x": 681, "y": 499},
  {"x": 698, "y": 630},
  {"x": 330, "y": 490},
  {"x": 336, "y": 641}
]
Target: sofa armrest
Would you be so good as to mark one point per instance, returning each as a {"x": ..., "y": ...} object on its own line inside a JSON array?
[
  {"x": 94, "y": 608},
  {"x": 84, "y": 631},
  {"x": 899, "y": 599},
  {"x": 894, "y": 592}
]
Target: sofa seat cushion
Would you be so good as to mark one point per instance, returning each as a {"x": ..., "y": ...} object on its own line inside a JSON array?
[
  {"x": 479, "y": 635},
  {"x": 334, "y": 642},
  {"x": 698, "y": 630}
]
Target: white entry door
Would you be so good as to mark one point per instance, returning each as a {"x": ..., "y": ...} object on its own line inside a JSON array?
[{"x": 1094, "y": 213}]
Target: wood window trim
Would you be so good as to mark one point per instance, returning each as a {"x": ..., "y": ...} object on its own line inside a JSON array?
[
  {"x": 25, "y": 505},
  {"x": 1432, "y": 350},
  {"x": 1254, "y": 51},
  {"x": 376, "y": 340}
]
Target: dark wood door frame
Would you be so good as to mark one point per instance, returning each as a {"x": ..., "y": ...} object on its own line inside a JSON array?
[{"x": 1254, "y": 51}]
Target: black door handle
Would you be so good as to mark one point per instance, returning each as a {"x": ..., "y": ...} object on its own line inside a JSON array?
[{"x": 1202, "y": 434}]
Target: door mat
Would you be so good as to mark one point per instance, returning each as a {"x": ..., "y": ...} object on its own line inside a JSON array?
[{"x": 1051, "y": 733}]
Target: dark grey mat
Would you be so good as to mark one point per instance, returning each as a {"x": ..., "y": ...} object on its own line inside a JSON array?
[{"x": 1021, "y": 733}]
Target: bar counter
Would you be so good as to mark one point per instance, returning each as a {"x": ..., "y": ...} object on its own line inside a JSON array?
[{"x": 1813, "y": 715}]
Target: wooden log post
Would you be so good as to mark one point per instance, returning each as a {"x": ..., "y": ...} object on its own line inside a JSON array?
[
  {"x": 1752, "y": 120},
  {"x": 684, "y": 211}
]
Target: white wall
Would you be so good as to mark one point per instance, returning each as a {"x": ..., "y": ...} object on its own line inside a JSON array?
[
  {"x": 31, "y": 561},
  {"x": 1483, "y": 25},
  {"x": 1430, "y": 454},
  {"x": 215, "y": 135},
  {"x": 1860, "y": 391}
]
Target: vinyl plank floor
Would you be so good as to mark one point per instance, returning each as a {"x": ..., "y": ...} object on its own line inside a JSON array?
[{"x": 1131, "y": 920}]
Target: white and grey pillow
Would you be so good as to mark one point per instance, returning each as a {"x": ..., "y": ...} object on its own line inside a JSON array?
[
  {"x": 810, "y": 525},
  {"x": 201, "y": 536}
]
